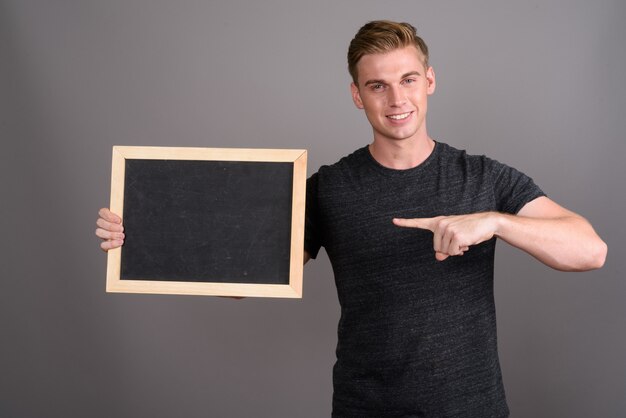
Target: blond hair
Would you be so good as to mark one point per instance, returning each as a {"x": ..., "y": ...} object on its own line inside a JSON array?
[{"x": 381, "y": 36}]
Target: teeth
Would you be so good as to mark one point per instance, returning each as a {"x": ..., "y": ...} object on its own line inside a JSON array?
[{"x": 399, "y": 117}]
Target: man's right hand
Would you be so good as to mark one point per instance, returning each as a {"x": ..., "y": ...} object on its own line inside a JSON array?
[{"x": 110, "y": 229}]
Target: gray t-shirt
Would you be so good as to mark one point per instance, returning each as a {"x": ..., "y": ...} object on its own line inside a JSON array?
[{"x": 417, "y": 337}]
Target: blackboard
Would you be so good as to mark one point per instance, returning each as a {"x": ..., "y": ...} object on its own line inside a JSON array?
[{"x": 208, "y": 221}]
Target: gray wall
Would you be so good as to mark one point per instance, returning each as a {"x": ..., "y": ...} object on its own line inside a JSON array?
[{"x": 538, "y": 85}]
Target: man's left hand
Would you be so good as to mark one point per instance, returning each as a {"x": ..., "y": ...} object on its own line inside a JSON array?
[{"x": 453, "y": 235}]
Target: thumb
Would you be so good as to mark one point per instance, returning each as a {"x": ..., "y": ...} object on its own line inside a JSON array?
[{"x": 440, "y": 256}]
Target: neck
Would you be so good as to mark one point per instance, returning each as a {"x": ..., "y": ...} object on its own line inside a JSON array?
[{"x": 403, "y": 154}]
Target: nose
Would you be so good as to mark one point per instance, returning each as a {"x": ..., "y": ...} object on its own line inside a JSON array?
[{"x": 396, "y": 97}]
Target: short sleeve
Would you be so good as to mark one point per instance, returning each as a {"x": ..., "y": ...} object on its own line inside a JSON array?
[
  {"x": 312, "y": 230},
  {"x": 512, "y": 188}
]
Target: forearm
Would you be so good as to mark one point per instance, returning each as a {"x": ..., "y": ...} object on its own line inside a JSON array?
[{"x": 566, "y": 243}]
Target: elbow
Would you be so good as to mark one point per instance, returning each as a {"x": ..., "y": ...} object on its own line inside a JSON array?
[
  {"x": 599, "y": 255},
  {"x": 595, "y": 257}
]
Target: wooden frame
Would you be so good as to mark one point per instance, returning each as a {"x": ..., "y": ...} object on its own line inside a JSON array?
[{"x": 293, "y": 290}]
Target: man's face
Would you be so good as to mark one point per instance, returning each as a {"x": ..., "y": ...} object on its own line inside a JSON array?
[{"x": 392, "y": 89}]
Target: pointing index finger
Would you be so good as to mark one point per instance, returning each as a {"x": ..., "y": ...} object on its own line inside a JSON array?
[{"x": 421, "y": 223}]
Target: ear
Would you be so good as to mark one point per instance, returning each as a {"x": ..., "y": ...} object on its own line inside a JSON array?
[
  {"x": 356, "y": 96},
  {"x": 430, "y": 78}
]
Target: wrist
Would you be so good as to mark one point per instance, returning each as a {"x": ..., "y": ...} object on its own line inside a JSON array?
[{"x": 499, "y": 222}]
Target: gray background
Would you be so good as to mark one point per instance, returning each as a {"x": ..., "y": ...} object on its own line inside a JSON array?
[{"x": 538, "y": 85}]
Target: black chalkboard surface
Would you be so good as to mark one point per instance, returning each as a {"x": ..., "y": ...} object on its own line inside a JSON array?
[{"x": 208, "y": 221}]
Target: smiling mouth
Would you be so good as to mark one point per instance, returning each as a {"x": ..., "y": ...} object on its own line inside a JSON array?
[{"x": 401, "y": 116}]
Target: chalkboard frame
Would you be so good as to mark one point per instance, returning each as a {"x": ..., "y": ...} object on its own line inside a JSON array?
[{"x": 115, "y": 284}]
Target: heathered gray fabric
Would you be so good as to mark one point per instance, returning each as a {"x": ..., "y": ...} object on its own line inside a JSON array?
[{"x": 417, "y": 337}]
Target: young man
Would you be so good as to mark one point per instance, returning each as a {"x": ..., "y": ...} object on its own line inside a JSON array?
[{"x": 409, "y": 225}]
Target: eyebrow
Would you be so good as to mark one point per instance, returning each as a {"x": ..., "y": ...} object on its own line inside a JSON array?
[
  {"x": 368, "y": 82},
  {"x": 410, "y": 74}
]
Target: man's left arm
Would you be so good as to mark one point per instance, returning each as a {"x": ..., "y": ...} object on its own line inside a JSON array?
[{"x": 554, "y": 235}]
